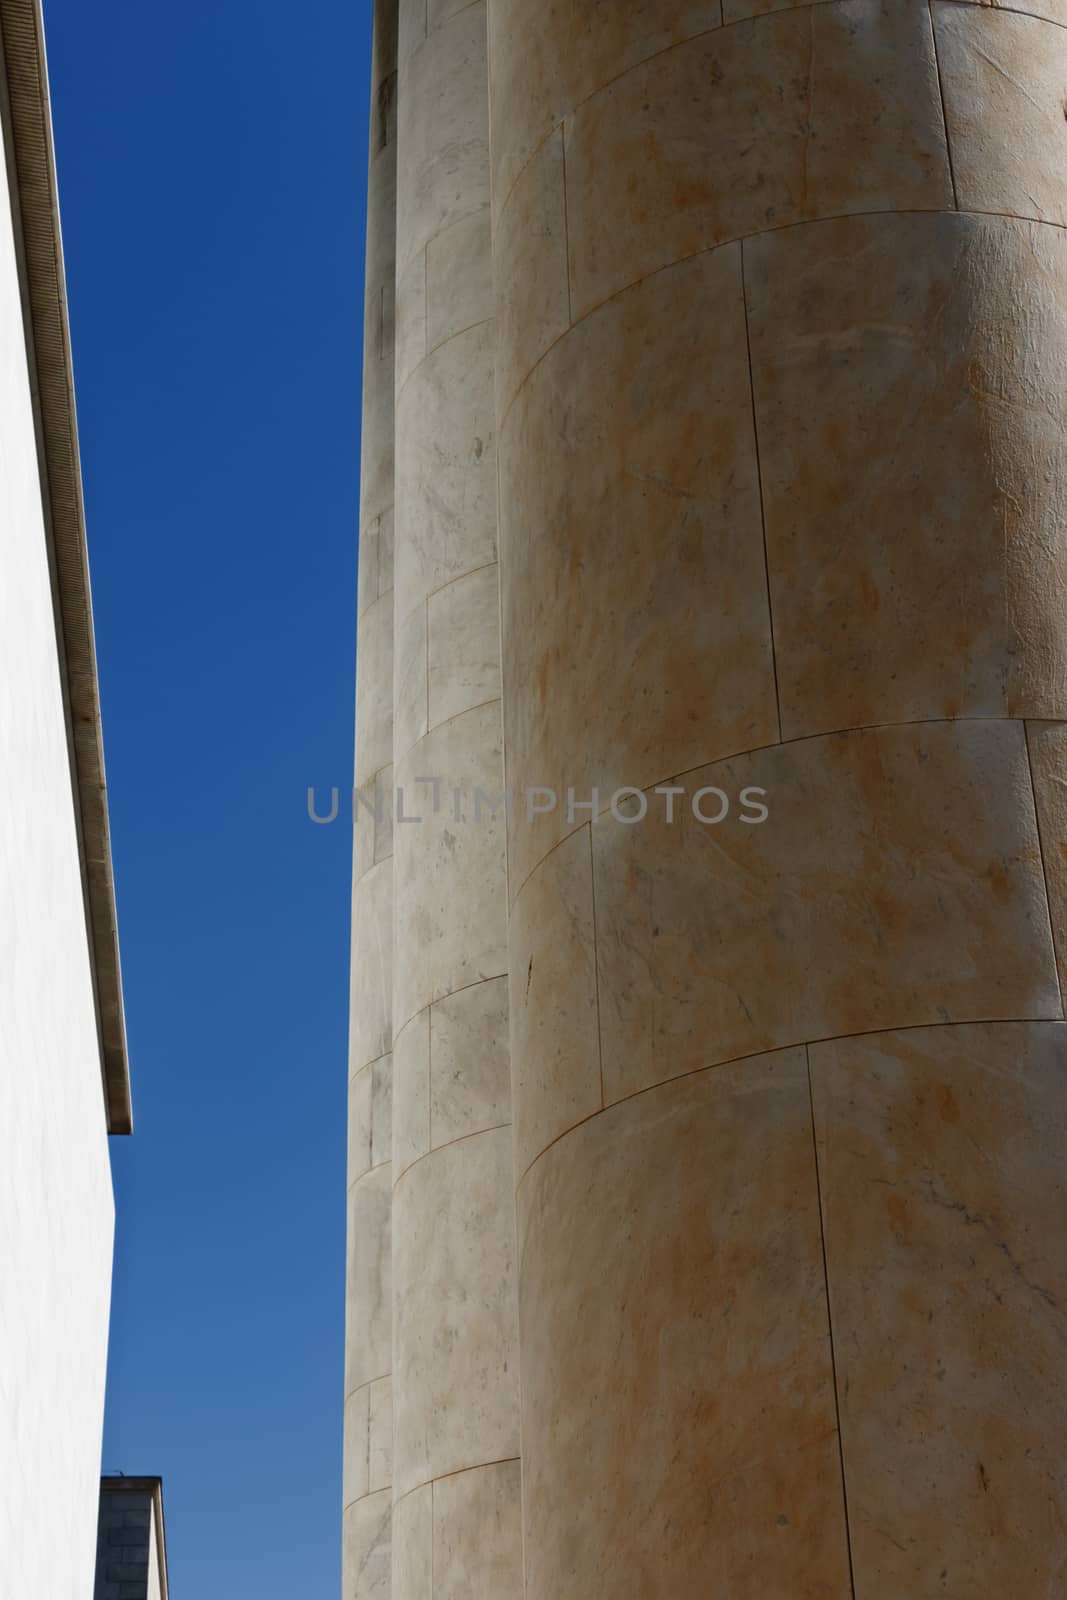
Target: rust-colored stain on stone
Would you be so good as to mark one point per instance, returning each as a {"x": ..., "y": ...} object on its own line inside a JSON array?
[
  {"x": 949, "y": 1325},
  {"x": 675, "y": 1350}
]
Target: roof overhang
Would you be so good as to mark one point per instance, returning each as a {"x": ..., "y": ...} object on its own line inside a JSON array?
[{"x": 27, "y": 125}]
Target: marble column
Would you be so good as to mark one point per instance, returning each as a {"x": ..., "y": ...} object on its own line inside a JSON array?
[
  {"x": 782, "y": 310},
  {"x": 368, "y": 1346},
  {"x": 456, "y": 1515}
]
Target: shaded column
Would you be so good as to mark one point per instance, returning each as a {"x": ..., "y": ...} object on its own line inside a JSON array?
[
  {"x": 456, "y": 1478},
  {"x": 368, "y": 1344},
  {"x": 782, "y": 302}
]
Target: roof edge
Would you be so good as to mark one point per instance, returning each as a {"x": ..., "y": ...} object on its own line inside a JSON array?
[{"x": 27, "y": 126}]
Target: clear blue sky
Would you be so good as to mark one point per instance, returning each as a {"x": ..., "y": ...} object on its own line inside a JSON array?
[{"x": 212, "y": 162}]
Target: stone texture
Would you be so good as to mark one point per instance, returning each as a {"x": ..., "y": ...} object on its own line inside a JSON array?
[
  {"x": 455, "y": 1371},
  {"x": 446, "y": 468},
  {"x": 1052, "y": 10},
  {"x": 1004, "y": 76},
  {"x": 470, "y": 1087},
  {"x": 678, "y": 1423},
  {"x": 477, "y": 1533},
  {"x": 420, "y": 17},
  {"x": 413, "y": 1546},
  {"x": 369, "y": 1117},
  {"x": 459, "y": 278},
  {"x": 411, "y": 1092},
  {"x": 374, "y": 690},
  {"x": 368, "y": 1440},
  {"x": 907, "y": 380},
  {"x": 902, "y": 587},
  {"x": 380, "y": 1434},
  {"x": 555, "y": 1040},
  {"x": 1047, "y": 744},
  {"x": 532, "y": 282},
  {"x": 463, "y": 644},
  {"x": 896, "y": 882},
  {"x": 411, "y": 346},
  {"x": 359, "y": 1122},
  {"x": 367, "y": 1561},
  {"x": 452, "y": 1074},
  {"x": 386, "y": 547},
  {"x": 633, "y": 577},
  {"x": 367, "y": 1345},
  {"x": 372, "y": 834},
  {"x": 356, "y": 1478},
  {"x": 943, "y": 1186},
  {"x": 368, "y": 564},
  {"x": 376, "y": 424},
  {"x": 443, "y": 162},
  {"x": 370, "y": 1030},
  {"x": 411, "y": 688},
  {"x": 412, "y": 27},
  {"x": 541, "y": 73},
  {"x": 376, "y": 475},
  {"x": 805, "y": 113},
  {"x": 450, "y": 899},
  {"x": 381, "y": 1144},
  {"x": 455, "y": 1356}
]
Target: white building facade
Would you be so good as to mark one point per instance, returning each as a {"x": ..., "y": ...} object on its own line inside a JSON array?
[{"x": 64, "y": 1082}]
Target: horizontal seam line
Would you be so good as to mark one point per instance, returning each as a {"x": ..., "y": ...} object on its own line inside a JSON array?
[
  {"x": 480, "y": 1466},
  {"x": 440, "y": 345},
  {"x": 993, "y": 7},
  {"x": 779, "y": 1049},
  {"x": 706, "y": 33},
  {"x": 466, "y": 712},
  {"x": 483, "y": 566},
  {"x": 415, "y": 1015},
  {"x": 778, "y": 744},
  {"x": 367, "y": 1385},
  {"x": 359, "y": 1499},
  {"x": 371, "y": 1172},
  {"x": 761, "y": 233},
  {"x": 355, "y": 1072},
  {"x": 447, "y": 1145}
]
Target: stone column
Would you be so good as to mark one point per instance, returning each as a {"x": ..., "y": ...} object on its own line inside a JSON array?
[
  {"x": 456, "y": 1478},
  {"x": 368, "y": 1349},
  {"x": 782, "y": 297}
]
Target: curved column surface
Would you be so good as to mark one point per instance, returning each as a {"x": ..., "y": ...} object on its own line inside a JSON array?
[
  {"x": 782, "y": 310},
  {"x": 456, "y": 1444},
  {"x": 368, "y": 1430}
]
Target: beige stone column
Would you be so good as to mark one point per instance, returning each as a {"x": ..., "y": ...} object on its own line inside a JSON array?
[
  {"x": 782, "y": 295},
  {"x": 368, "y": 1347},
  {"x": 456, "y": 1479}
]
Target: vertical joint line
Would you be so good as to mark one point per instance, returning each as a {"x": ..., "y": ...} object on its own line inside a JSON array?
[
  {"x": 759, "y": 486},
  {"x": 944, "y": 109},
  {"x": 566, "y": 221},
  {"x": 368, "y": 1391},
  {"x": 596, "y": 968},
  {"x": 1041, "y": 853},
  {"x": 429, "y": 1079},
  {"x": 830, "y": 1327}
]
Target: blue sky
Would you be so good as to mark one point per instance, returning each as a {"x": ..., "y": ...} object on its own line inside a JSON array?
[{"x": 212, "y": 176}]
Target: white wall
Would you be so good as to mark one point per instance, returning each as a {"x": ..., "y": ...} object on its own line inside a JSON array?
[{"x": 56, "y": 1210}]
